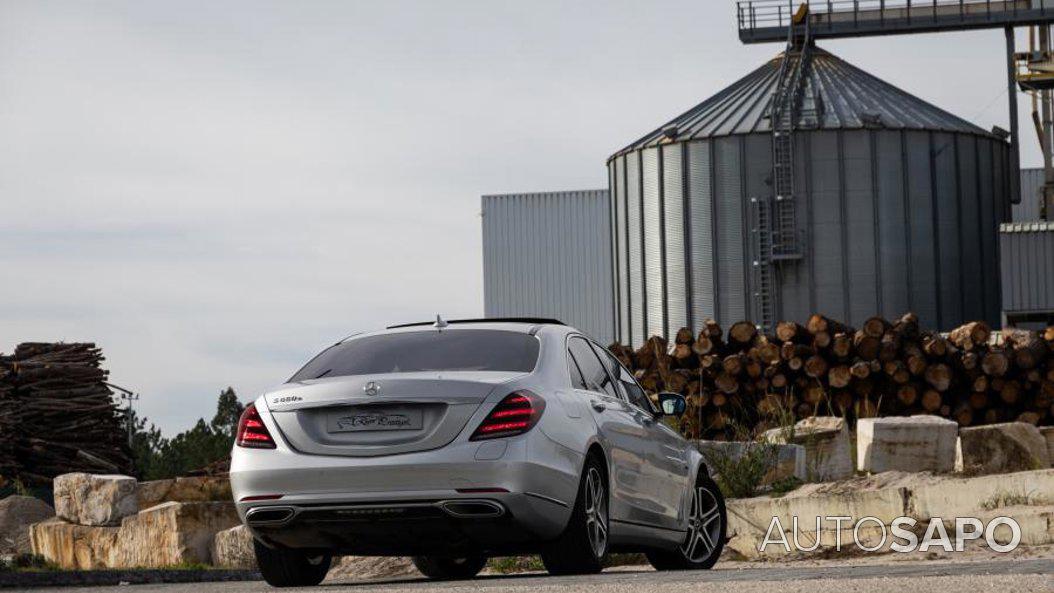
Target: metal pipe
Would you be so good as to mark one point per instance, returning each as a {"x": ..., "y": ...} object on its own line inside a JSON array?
[{"x": 1015, "y": 143}]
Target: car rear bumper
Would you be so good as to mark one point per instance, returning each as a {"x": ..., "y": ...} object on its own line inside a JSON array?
[
  {"x": 470, "y": 496},
  {"x": 501, "y": 523}
]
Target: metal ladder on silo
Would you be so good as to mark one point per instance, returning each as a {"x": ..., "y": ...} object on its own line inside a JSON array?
[{"x": 775, "y": 219}]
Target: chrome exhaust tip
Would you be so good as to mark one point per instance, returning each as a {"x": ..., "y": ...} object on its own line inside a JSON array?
[
  {"x": 269, "y": 515},
  {"x": 472, "y": 509}
]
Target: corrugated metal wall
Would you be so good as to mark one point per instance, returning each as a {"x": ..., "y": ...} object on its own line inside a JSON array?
[
  {"x": 893, "y": 221},
  {"x": 1027, "y": 258},
  {"x": 550, "y": 255},
  {"x": 1031, "y": 184}
]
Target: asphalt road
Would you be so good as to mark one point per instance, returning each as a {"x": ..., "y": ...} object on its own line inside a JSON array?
[{"x": 1012, "y": 576}]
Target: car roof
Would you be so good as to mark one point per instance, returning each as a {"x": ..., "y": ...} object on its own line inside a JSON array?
[
  {"x": 527, "y": 325},
  {"x": 520, "y": 320}
]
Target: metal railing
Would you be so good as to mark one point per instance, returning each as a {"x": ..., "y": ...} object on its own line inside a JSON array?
[{"x": 764, "y": 14}]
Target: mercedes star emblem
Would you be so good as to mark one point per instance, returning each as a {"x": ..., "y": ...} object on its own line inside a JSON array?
[{"x": 371, "y": 388}]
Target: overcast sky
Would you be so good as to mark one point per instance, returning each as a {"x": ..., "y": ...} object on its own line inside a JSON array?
[{"x": 213, "y": 191}]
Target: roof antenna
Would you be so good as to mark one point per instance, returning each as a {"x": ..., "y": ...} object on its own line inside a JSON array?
[{"x": 440, "y": 323}]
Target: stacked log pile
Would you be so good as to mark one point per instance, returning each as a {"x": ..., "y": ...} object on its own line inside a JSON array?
[
  {"x": 9, "y": 419},
  {"x": 743, "y": 378},
  {"x": 63, "y": 413}
]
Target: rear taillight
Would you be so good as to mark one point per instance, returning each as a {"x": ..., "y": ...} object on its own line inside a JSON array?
[
  {"x": 516, "y": 414},
  {"x": 251, "y": 430}
]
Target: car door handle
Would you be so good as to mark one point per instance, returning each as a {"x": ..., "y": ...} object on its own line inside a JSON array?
[{"x": 598, "y": 405}]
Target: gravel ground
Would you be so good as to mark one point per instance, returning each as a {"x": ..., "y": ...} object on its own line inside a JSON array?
[{"x": 1005, "y": 576}]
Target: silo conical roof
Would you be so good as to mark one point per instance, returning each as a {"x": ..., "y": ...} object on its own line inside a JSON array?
[{"x": 848, "y": 98}]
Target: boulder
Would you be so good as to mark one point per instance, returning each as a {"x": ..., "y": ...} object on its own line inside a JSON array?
[
  {"x": 233, "y": 548},
  {"x": 193, "y": 489},
  {"x": 788, "y": 461},
  {"x": 1003, "y": 448},
  {"x": 826, "y": 442},
  {"x": 169, "y": 534},
  {"x": 915, "y": 443},
  {"x": 173, "y": 533},
  {"x": 90, "y": 499},
  {"x": 17, "y": 513},
  {"x": 1048, "y": 434},
  {"x": 75, "y": 547}
]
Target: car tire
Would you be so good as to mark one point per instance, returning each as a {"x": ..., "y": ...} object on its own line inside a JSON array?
[
  {"x": 291, "y": 568},
  {"x": 583, "y": 546},
  {"x": 446, "y": 568},
  {"x": 706, "y": 534}
]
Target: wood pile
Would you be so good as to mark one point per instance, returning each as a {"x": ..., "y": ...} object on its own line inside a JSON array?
[
  {"x": 63, "y": 414},
  {"x": 742, "y": 378},
  {"x": 9, "y": 419}
]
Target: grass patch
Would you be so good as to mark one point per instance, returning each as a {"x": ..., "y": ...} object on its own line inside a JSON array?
[
  {"x": 785, "y": 485},
  {"x": 741, "y": 476},
  {"x": 1013, "y": 499},
  {"x": 515, "y": 564},
  {"x": 27, "y": 563}
]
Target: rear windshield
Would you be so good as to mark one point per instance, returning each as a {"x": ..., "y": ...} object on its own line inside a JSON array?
[{"x": 455, "y": 350}]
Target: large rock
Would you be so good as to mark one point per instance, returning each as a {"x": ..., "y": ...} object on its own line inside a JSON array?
[
  {"x": 1003, "y": 448},
  {"x": 193, "y": 489},
  {"x": 75, "y": 547},
  {"x": 916, "y": 443},
  {"x": 173, "y": 533},
  {"x": 826, "y": 442},
  {"x": 17, "y": 513},
  {"x": 787, "y": 461},
  {"x": 1048, "y": 434},
  {"x": 90, "y": 499},
  {"x": 169, "y": 534},
  {"x": 233, "y": 548}
]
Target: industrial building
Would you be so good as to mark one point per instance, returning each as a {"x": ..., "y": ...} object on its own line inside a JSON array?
[
  {"x": 549, "y": 255},
  {"x": 807, "y": 186},
  {"x": 1027, "y": 258}
]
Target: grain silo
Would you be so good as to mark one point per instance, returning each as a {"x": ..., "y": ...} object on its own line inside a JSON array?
[{"x": 896, "y": 207}]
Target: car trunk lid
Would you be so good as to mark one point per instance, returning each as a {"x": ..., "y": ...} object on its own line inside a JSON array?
[{"x": 363, "y": 416}]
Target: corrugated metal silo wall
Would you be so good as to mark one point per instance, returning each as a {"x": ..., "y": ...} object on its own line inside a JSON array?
[
  {"x": 893, "y": 221},
  {"x": 550, "y": 255}
]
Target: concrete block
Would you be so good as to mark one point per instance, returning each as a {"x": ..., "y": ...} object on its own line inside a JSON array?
[
  {"x": 916, "y": 443},
  {"x": 886, "y": 496},
  {"x": 827, "y": 446},
  {"x": 1003, "y": 448},
  {"x": 91, "y": 499}
]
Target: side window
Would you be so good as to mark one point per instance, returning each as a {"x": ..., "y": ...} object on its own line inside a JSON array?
[
  {"x": 613, "y": 367},
  {"x": 635, "y": 394},
  {"x": 596, "y": 377},
  {"x": 577, "y": 380},
  {"x": 627, "y": 384}
]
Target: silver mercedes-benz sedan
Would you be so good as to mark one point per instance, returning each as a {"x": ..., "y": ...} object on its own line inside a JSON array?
[{"x": 452, "y": 442}]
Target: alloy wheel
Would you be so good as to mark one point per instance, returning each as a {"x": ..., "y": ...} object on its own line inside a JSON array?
[
  {"x": 704, "y": 526},
  {"x": 596, "y": 511}
]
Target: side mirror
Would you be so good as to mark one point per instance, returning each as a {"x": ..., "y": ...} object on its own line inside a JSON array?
[{"x": 672, "y": 404}]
